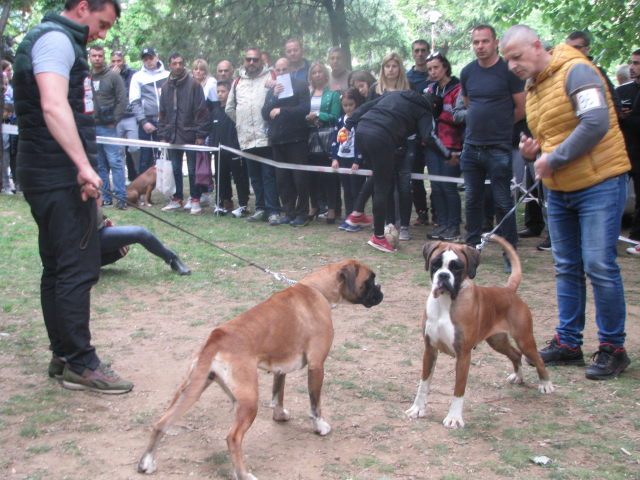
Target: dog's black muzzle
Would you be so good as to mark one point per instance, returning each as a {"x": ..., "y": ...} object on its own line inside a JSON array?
[{"x": 374, "y": 296}]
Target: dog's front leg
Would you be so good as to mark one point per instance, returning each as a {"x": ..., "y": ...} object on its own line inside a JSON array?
[
  {"x": 316, "y": 377},
  {"x": 454, "y": 418},
  {"x": 429, "y": 358},
  {"x": 280, "y": 414}
]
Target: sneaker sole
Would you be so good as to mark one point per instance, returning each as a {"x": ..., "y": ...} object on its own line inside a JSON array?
[
  {"x": 378, "y": 247},
  {"x": 78, "y": 387},
  {"x": 53, "y": 375},
  {"x": 569, "y": 363},
  {"x": 196, "y": 213},
  {"x": 608, "y": 377},
  {"x": 359, "y": 224}
]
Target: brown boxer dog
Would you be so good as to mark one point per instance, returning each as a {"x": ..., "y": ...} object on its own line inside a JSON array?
[
  {"x": 459, "y": 315},
  {"x": 143, "y": 184},
  {"x": 291, "y": 329}
]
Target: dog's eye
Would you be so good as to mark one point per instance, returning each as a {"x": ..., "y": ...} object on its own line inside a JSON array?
[
  {"x": 436, "y": 264},
  {"x": 454, "y": 267}
]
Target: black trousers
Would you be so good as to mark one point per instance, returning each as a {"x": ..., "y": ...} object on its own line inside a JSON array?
[
  {"x": 317, "y": 181},
  {"x": 231, "y": 165},
  {"x": 293, "y": 185},
  {"x": 381, "y": 154},
  {"x": 417, "y": 186},
  {"x": 70, "y": 253}
]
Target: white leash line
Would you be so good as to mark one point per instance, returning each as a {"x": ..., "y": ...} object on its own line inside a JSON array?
[
  {"x": 348, "y": 171},
  {"x": 13, "y": 130}
]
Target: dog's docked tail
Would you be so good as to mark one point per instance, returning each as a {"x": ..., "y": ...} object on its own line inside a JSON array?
[{"x": 516, "y": 267}]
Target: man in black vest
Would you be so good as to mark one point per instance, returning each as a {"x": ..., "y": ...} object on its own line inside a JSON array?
[{"x": 56, "y": 167}]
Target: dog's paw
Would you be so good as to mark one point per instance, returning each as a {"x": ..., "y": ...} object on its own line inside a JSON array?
[
  {"x": 416, "y": 411},
  {"x": 321, "y": 427},
  {"x": 281, "y": 414},
  {"x": 453, "y": 421},
  {"x": 147, "y": 464},
  {"x": 546, "y": 387},
  {"x": 515, "y": 378}
]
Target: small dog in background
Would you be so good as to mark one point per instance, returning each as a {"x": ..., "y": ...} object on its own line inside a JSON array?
[
  {"x": 144, "y": 184},
  {"x": 459, "y": 315}
]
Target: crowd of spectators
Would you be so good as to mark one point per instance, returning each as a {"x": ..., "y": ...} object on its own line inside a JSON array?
[{"x": 290, "y": 109}]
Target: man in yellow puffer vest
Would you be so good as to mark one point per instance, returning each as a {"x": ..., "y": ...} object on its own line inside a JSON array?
[{"x": 583, "y": 162}]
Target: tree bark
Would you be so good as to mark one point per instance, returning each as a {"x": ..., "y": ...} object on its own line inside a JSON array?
[
  {"x": 339, "y": 28},
  {"x": 6, "y": 10}
]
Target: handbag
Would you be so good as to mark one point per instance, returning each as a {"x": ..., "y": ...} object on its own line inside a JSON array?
[
  {"x": 204, "y": 175},
  {"x": 165, "y": 182},
  {"x": 320, "y": 140}
]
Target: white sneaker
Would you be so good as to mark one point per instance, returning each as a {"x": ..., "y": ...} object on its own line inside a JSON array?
[
  {"x": 634, "y": 250},
  {"x": 195, "y": 207},
  {"x": 8, "y": 191},
  {"x": 205, "y": 200},
  {"x": 238, "y": 211},
  {"x": 188, "y": 204},
  {"x": 174, "y": 204}
]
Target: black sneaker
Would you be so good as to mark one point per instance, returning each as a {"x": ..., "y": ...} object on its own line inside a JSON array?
[
  {"x": 609, "y": 362},
  {"x": 437, "y": 233},
  {"x": 106, "y": 204},
  {"x": 560, "y": 354},
  {"x": 178, "y": 266},
  {"x": 121, "y": 205},
  {"x": 423, "y": 219},
  {"x": 545, "y": 245}
]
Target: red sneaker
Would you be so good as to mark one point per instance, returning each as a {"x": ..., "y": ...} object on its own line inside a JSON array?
[
  {"x": 381, "y": 244},
  {"x": 363, "y": 219}
]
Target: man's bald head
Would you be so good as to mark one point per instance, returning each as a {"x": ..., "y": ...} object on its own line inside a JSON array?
[
  {"x": 224, "y": 71},
  {"x": 283, "y": 65},
  {"x": 523, "y": 52}
]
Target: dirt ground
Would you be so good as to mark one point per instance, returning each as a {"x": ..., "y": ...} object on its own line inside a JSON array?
[{"x": 371, "y": 379}]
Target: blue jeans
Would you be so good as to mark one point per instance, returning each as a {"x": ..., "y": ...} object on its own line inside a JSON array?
[
  {"x": 147, "y": 155},
  {"x": 584, "y": 227},
  {"x": 444, "y": 195},
  {"x": 263, "y": 181},
  {"x": 476, "y": 162},
  {"x": 112, "y": 239},
  {"x": 176, "y": 162},
  {"x": 109, "y": 158}
]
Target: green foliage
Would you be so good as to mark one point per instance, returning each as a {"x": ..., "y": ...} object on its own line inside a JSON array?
[{"x": 613, "y": 26}]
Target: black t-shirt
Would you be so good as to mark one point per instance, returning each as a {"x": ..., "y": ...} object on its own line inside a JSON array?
[{"x": 489, "y": 94}]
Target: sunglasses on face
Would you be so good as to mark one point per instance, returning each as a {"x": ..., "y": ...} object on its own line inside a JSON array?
[
  {"x": 433, "y": 55},
  {"x": 119, "y": 53},
  {"x": 251, "y": 59}
]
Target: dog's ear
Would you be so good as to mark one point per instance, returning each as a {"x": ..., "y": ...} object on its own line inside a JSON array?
[
  {"x": 350, "y": 273},
  {"x": 427, "y": 252},
  {"x": 473, "y": 260}
]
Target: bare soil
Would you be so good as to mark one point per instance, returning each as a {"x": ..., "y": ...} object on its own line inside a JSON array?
[{"x": 371, "y": 378}]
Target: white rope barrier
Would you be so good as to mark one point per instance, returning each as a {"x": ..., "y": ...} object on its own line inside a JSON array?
[{"x": 13, "y": 130}]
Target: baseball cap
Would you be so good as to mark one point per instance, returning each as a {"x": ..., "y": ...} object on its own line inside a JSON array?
[{"x": 147, "y": 51}]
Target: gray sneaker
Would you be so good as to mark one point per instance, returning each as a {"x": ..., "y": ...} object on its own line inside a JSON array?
[
  {"x": 101, "y": 380},
  {"x": 404, "y": 234},
  {"x": 259, "y": 216},
  {"x": 274, "y": 219},
  {"x": 451, "y": 234},
  {"x": 437, "y": 233}
]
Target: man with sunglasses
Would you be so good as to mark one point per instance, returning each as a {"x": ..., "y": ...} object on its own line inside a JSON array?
[
  {"x": 244, "y": 107},
  {"x": 127, "y": 127}
]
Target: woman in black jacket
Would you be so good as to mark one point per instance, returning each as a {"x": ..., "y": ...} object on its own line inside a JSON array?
[{"x": 384, "y": 125}]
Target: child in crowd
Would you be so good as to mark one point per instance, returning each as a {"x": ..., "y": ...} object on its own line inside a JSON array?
[
  {"x": 6, "y": 150},
  {"x": 345, "y": 155}
]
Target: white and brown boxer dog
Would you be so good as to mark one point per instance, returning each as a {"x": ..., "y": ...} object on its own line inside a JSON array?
[
  {"x": 291, "y": 329},
  {"x": 459, "y": 315}
]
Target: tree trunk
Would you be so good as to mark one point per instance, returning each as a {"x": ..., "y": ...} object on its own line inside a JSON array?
[
  {"x": 6, "y": 10},
  {"x": 339, "y": 28}
]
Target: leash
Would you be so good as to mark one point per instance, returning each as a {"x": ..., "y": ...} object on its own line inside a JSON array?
[
  {"x": 487, "y": 236},
  {"x": 276, "y": 275}
]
